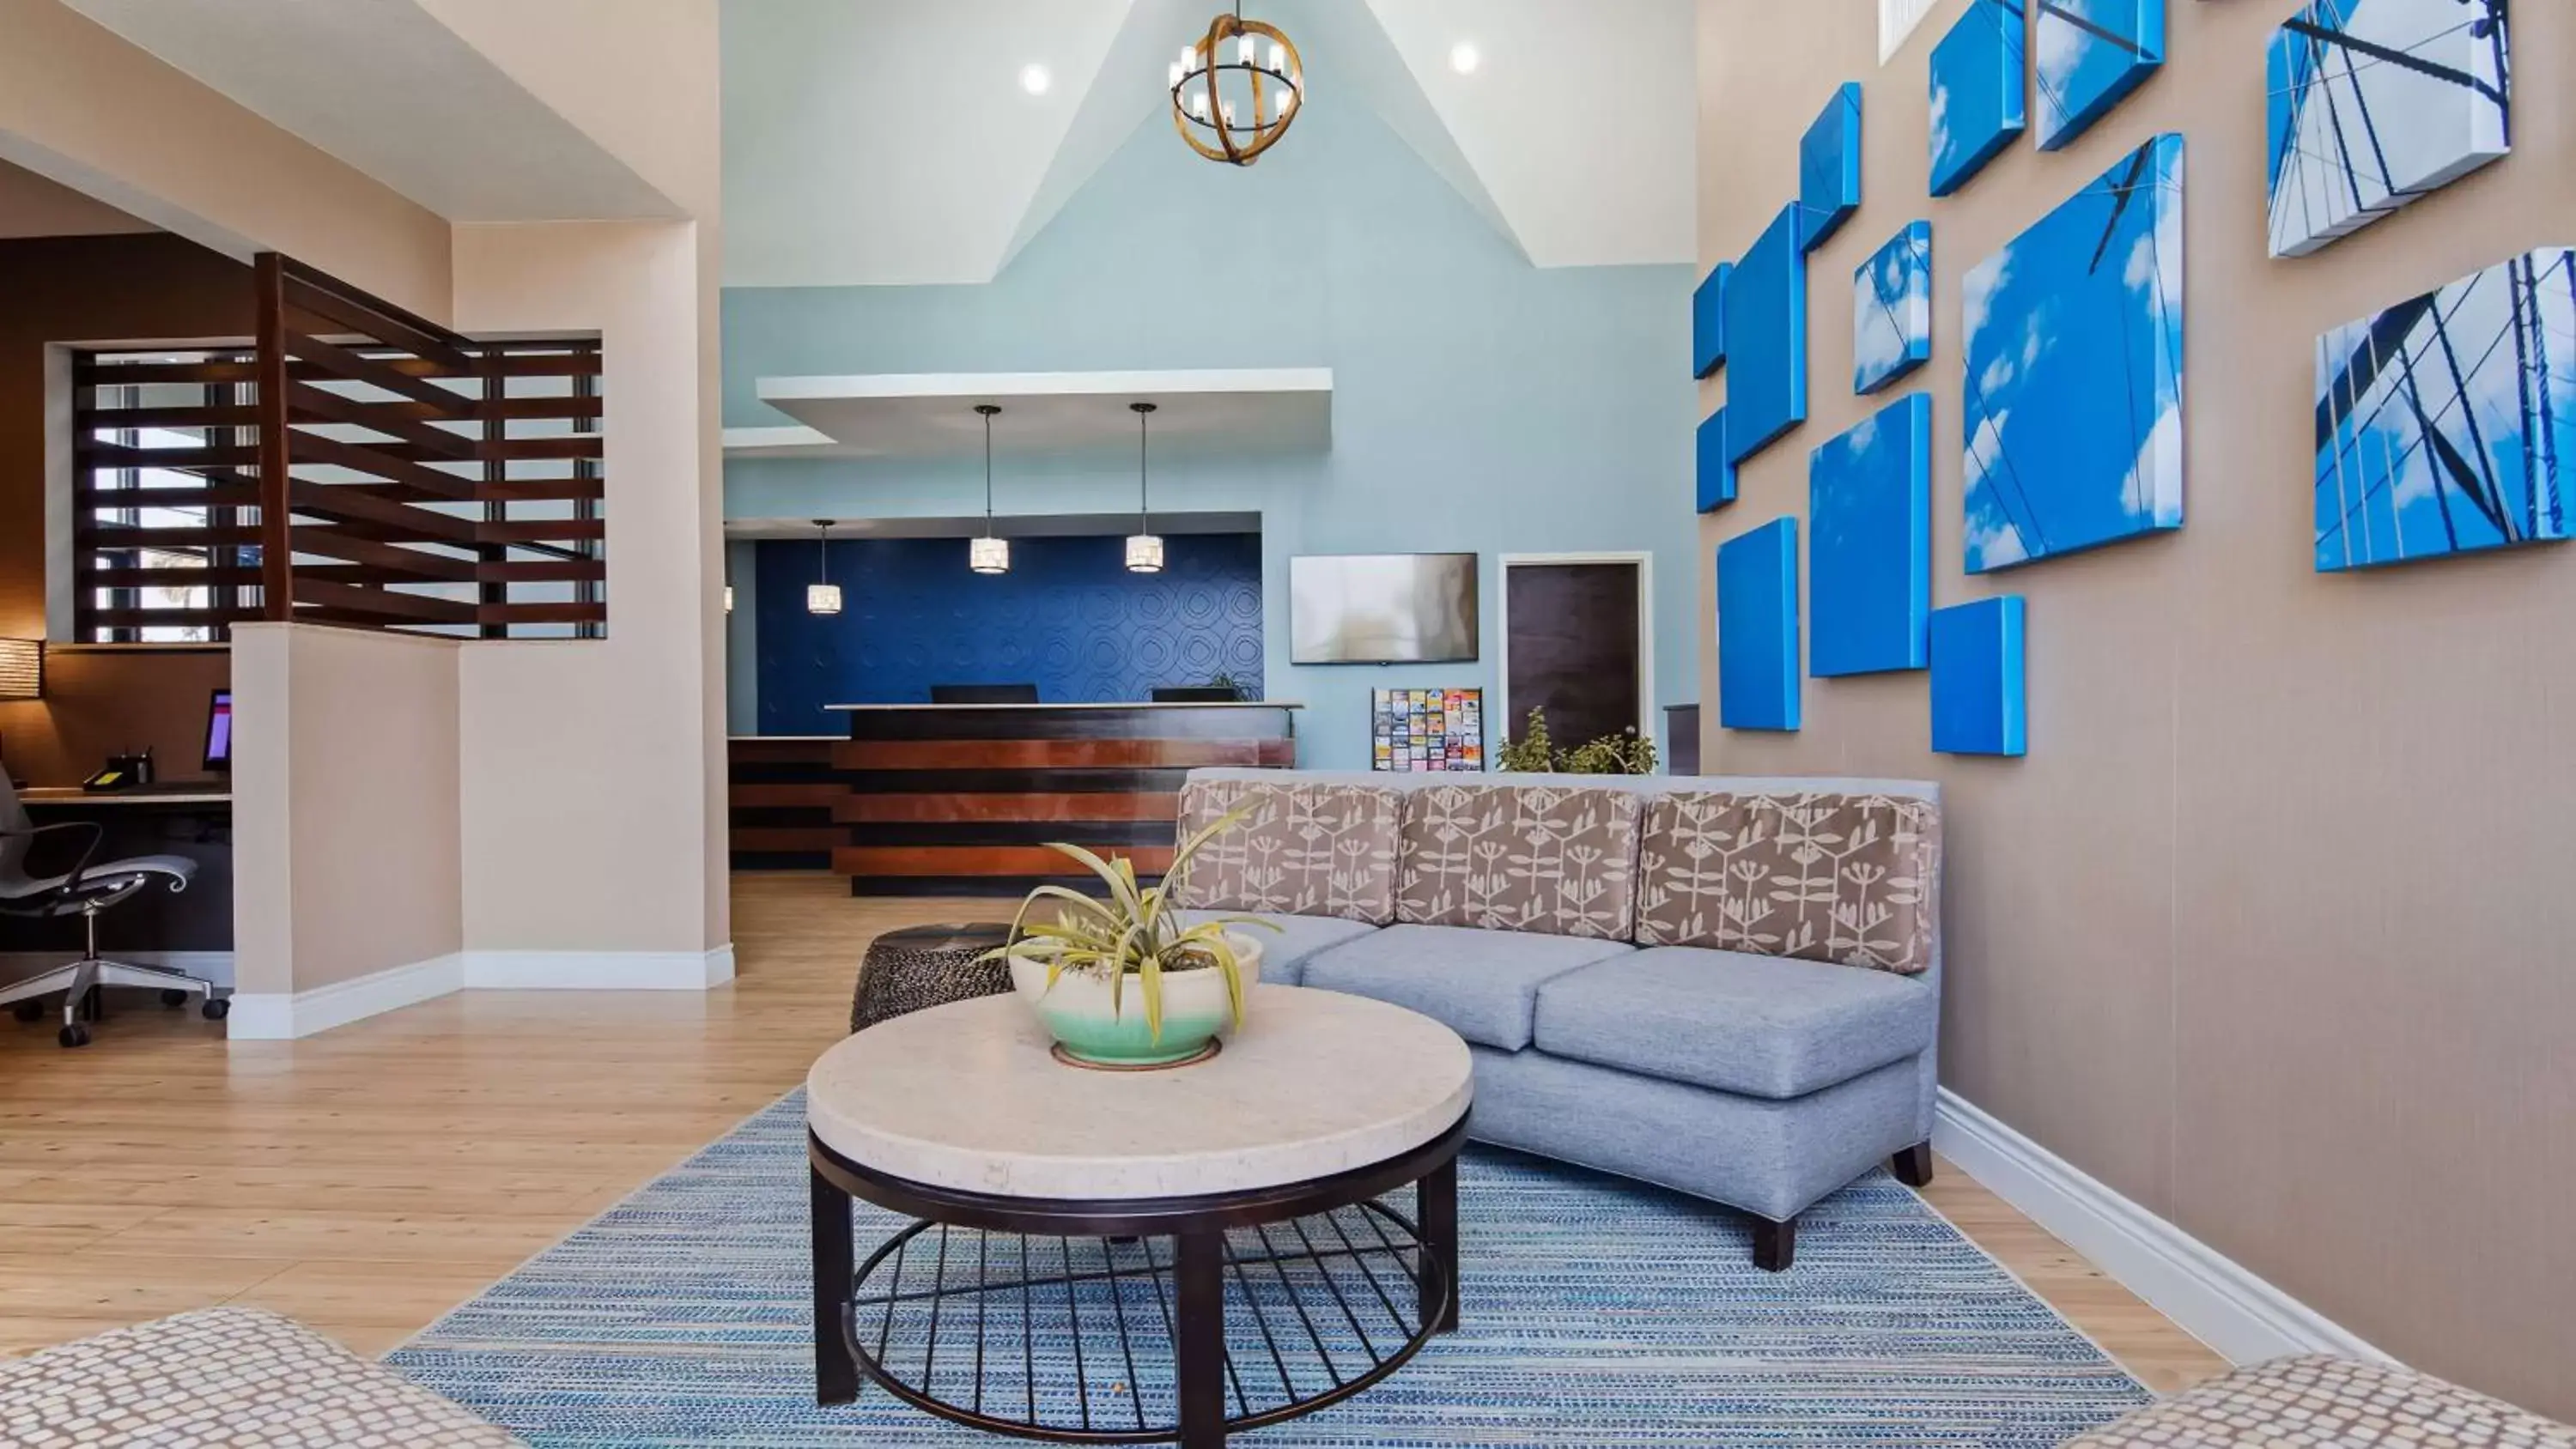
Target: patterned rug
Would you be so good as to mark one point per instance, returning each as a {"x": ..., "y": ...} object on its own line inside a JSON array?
[{"x": 1596, "y": 1313}]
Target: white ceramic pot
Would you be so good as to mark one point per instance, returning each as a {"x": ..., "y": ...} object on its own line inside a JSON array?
[{"x": 1078, "y": 1012}]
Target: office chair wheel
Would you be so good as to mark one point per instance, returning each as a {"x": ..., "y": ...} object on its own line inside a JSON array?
[
  {"x": 174, "y": 998},
  {"x": 74, "y": 1035},
  {"x": 28, "y": 1010},
  {"x": 216, "y": 1008}
]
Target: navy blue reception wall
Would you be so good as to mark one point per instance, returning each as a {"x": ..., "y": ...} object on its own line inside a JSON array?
[{"x": 1068, "y": 616}]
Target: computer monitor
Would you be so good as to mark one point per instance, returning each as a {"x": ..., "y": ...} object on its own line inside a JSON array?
[
  {"x": 983, "y": 694},
  {"x": 219, "y": 731}
]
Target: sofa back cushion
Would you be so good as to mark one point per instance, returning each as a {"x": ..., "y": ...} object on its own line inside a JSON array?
[
  {"x": 1303, "y": 848},
  {"x": 1520, "y": 858},
  {"x": 1853, "y": 879}
]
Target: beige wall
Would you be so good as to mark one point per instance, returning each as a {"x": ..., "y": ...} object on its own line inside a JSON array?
[
  {"x": 82, "y": 106},
  {"x": 30, "y": 205},
  {"x": 2269, "y": 930},
  {"x": 586, "y": 812},
  {"x": 346, "y": 838}
]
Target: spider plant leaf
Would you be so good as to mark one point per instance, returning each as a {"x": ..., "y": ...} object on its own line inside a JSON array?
[
  {"x": 1149, "y": 977},
  {"x": 1122, "y": 887}
]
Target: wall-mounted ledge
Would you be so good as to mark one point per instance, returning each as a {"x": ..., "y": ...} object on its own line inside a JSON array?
[{"x": 912, "y": 415}]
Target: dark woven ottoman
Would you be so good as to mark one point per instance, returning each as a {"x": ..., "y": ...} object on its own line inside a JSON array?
[{"x": 925, "y": 966}]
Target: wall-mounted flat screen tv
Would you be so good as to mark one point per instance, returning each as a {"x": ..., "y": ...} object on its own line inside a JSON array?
[{"x": 1386, "y": 608}]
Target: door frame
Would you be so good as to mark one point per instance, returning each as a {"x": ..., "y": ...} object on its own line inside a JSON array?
[{"x": 1645, "y": 565}]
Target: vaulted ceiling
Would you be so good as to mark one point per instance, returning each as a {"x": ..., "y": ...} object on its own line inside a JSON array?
[{"x": 874, "y": 142}]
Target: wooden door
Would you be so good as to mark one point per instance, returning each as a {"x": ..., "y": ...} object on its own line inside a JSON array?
[{"x": 1572, "y": 647}]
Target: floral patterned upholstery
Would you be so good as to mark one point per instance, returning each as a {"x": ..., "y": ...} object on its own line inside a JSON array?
[
  {"x": 2320, "y": 1402},
  {"x": 1303, "y": 849},
  {"x": 1562, "y": 861},
  {"x": 220, "y": 1378},
  {"x": 1851, "y": 879}
]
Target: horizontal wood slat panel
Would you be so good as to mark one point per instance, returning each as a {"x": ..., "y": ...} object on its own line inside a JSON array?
[
  {"x": 788, "y": 837},
  {"x": 179, "y": 417},
  {"x": 789, "y": 795},
  {"x": 385, "y": 460},
  {"x": 1058, "y": 754},
  {"x": 380, "y": 321},
  {"x": 983, "y": 807},
  {"x": 108, "y": 535},
  {"x": 212, "y": 495},
  {"x": 346, "y": 364},
  {"x": 308, "y": 401},
  {"x": 352, "y": 599},
  {"x": 780, "y": 750},
  {"x": 979, "y": 860}
]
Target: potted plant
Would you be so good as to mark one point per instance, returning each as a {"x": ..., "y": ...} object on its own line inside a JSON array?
[{"x": 1075, "y": 969}]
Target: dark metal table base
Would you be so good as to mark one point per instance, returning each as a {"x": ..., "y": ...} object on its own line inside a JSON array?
[{"x": 1134, "y": 1322}]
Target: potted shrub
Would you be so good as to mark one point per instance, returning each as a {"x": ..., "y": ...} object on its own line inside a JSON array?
[{"x": 1118, "y": 980}]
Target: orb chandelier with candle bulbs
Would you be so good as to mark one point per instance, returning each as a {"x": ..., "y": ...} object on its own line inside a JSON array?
[{"x": 1236, "y": 89}]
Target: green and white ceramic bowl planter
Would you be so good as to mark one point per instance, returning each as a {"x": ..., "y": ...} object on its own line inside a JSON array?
[{"x": 1119, "y": 980}]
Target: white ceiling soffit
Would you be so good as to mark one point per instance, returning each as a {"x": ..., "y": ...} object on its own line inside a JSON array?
[
  {"x": 1008, "y": 525},
  {"x": 387, "y": 88},
  {"x": 891, "y": 142},
  {"x": 933, "y": 414},
  {"x": 1579, "y": 118}
]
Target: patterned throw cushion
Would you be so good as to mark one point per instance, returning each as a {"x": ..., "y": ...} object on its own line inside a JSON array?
[
  {"x": 2319, "y": 1402},
  {"x": 1520, "y": 858},
  {"x": 223, "y": 1377},
  {"x": 1305, "y": 849},
  {"x": 1852, "y": 879}
]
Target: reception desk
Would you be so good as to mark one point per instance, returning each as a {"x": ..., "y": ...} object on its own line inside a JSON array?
[{"x": 961, "y": 799}]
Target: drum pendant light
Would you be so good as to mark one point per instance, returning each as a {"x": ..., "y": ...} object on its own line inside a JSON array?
[
  {"x": 988, "y": 555},
  {"x": 823, "y": 596},
  {"x": 1144, "y": 549}
]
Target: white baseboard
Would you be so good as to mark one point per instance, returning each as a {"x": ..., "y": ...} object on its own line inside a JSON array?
[
  {"x": 214, "y": 966},
  {"x": 2214, "y": 1299},
  {"x": 598, "y": 970},
  {"x": 284, "y": 1016}
]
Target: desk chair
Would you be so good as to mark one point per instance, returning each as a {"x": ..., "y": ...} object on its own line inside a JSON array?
[{"x": 84, "y": 891}]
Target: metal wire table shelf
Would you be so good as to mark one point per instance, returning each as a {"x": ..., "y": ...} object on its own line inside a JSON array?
[{"x": 1071, "y": 1339}]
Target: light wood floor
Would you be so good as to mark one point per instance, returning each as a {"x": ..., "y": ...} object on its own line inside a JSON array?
[{"x": 369, "y": 1179}]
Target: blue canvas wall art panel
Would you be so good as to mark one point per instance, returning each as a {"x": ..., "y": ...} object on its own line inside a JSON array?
[
  {"x": 1978, "y": 91},
  {"x": 1716, "y": 470},
  {"x": 2072, "y": 408},
  {"x": 2373, "y": 103},
  {"x": 2090, "y": 54},
  {"x": 1978, "y": 697},
  {"x": 1757, "y": 628},
  {"x": 1708, "y": 322},
  {"x": 1766, "y": 339},
  {"x": 2447, "y": 423},
  {"x": 1829, "y": 167},
  {"x": 1869, "y": 543},
  {"x": 1892, "y": 310}
]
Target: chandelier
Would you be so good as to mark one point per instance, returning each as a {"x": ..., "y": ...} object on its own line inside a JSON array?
[{"x": 1236, "y": 89}]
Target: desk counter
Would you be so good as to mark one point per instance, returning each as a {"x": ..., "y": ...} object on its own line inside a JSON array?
[{"x": 961, "y": 799}]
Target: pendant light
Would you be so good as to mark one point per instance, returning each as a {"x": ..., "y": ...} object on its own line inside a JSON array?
[
  {"x": 988, "y": 555},
  {"x": 1144, "y": 550},
  {"x": 823, "y": 596}
]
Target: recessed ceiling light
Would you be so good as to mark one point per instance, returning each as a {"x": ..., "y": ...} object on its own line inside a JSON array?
[
  {"x": 1463, "y": 58},
  {"x": 1035, "y": 80}
]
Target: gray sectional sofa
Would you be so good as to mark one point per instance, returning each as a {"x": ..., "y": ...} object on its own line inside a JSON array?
[{"x": 1726, "y": 986}]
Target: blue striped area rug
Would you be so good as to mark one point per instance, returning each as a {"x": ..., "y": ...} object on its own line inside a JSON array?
[{"x": 1595, "y": 1312}]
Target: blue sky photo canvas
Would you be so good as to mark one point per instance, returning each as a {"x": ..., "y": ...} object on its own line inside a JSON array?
[
  {"x": 1708, "y": 322},
  {"x": 2375, "y": 102},
  {"x": 1979, "y": 703},
  {"x": 1978, "y": 91},
  {"x": 1757, "y": 628},
  {"x": 1869, "y": 543},
  {"x": 2415, "y": 460},
  {"x": 1766, "y": 339},
  {"x": 1829, "y": 167},
  {"x": 2090, "y": 54},
  {"x": 1892, "y": 310},
  {"x": 1716, "y": 471},
  {"x": 2072, "y": 407}
]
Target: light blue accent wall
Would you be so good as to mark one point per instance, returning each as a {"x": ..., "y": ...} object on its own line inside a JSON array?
[
  {"x": 1480, "y": 403},
  {"x": 742, "y": 638}
]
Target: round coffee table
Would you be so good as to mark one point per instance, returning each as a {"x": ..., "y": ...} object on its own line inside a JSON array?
[{"x": 1136, "y": 1257}]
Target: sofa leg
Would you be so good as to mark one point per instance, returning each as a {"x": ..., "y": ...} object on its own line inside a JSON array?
[
  {"x": 1775, "y": 1245},
  {"x": 1913, "y": 1165}
]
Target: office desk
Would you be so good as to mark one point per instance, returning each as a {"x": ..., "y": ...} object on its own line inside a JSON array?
[
  {"x": 180, "y": 817},
  {"x": 961, "y": 799}
]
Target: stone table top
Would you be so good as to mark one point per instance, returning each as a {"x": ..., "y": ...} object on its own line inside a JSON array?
[{"x": 968, "y": 1097}]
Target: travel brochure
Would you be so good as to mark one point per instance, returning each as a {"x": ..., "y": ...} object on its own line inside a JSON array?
[{"x": 1413, "y": 730}]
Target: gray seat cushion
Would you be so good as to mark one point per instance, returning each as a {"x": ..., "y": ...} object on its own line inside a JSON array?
[
  {"x": 1482, "y": 985},
  {"x": 1765, "y": 1026},
  {"x": 1284, "y": 951}
]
